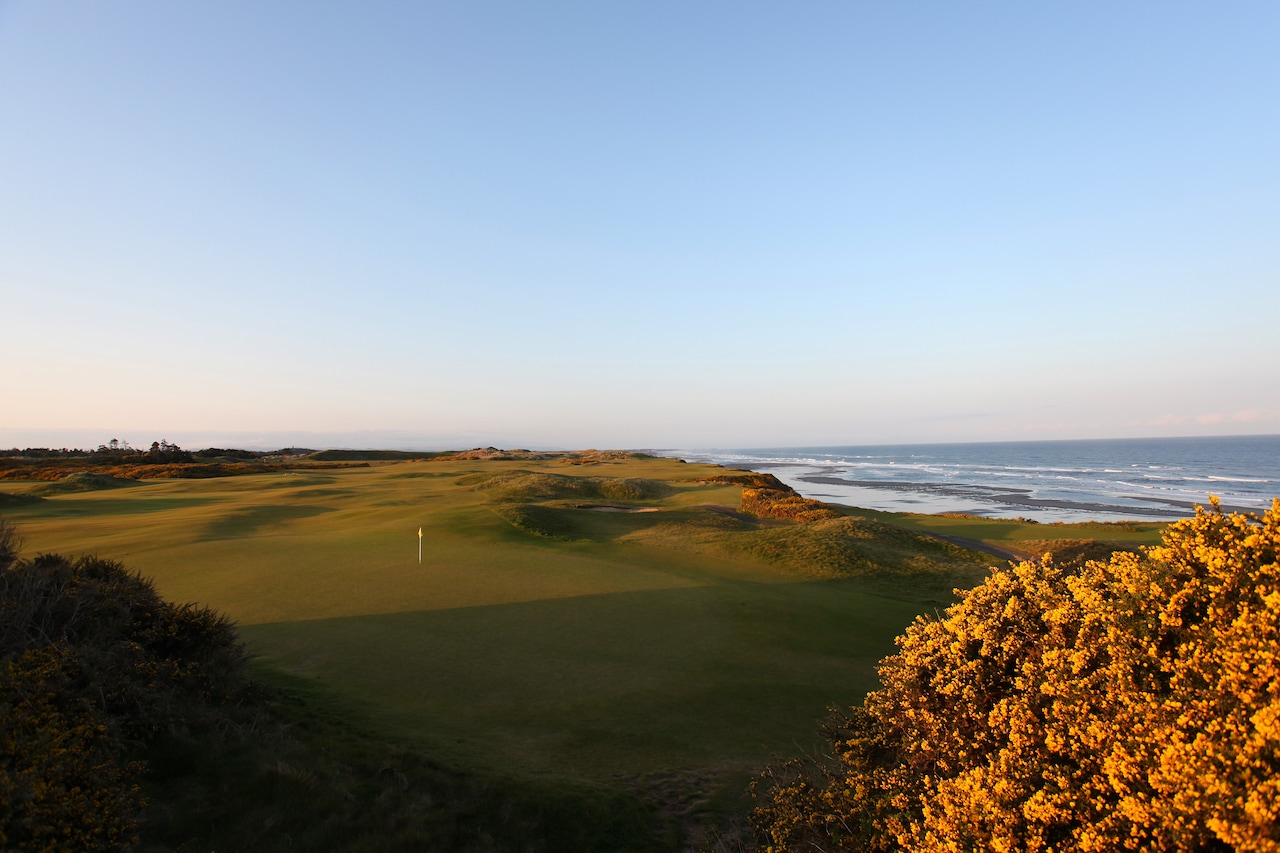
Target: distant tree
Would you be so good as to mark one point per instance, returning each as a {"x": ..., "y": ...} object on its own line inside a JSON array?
[
  {"x": 1132, "y": 703},
  {"x": 163, "y": 451},
  {"x": 46, "y": 452},
  {"x": 114, "y": 450},
  {"x": 229, "y": 452}
]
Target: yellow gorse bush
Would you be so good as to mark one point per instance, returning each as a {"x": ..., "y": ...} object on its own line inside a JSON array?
[{"x": 1131, "y": 704}]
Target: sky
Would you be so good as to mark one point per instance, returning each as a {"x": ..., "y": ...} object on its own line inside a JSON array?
[{"x": 636, "y": 224}]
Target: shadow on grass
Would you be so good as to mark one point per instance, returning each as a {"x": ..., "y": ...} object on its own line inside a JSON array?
[
  {"x": 567, "y": 523},
  {"x": 245, "y": 521},
  {"x": 312, "y": 776},
  {"x": 84, "y": 481},
  {"x": 704, "y": 682},
  {"x": 56, "y": 507}
]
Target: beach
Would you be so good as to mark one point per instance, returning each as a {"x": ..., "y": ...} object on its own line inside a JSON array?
[{"x": 1069, "y": 481}]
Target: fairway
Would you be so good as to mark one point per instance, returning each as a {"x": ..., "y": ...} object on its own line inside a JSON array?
[{"x": 678, "y": 648}]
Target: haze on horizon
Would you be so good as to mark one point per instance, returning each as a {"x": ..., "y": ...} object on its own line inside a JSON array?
[{"x": 637, "y": 225}]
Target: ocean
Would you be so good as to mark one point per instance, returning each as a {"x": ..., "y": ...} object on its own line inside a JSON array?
[{"x": 1101, "y": 480}]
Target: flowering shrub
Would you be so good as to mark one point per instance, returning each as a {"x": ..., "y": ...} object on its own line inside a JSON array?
[
  {"x": 786, "y": 504},
  {"x": 63, "y": 782},
  {"x": 1129, "y": 704}
]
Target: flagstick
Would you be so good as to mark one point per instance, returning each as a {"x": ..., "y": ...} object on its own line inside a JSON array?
[{"x": 419, "y": 546}]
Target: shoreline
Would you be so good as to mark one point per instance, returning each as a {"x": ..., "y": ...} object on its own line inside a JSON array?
[
  {"x": 1112, "y": 482},
  {"x": 998, "y": 495}
]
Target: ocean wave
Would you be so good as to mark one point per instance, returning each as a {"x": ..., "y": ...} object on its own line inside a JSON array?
[
  {"x": 1243, "y": 472},
  {"x": 1217, "y": 478}
]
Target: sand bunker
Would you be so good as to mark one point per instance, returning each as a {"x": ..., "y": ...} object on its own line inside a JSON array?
[{"x": 607, "y": 508}]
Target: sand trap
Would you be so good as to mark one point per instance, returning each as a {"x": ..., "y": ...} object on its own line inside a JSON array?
[{"x": 604, "y": 508}]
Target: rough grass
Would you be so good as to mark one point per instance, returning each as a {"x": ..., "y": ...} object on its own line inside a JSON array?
[
  {"x": 853, "y": 547},
  {"x": 84, "y": 481},
  {"x": 567, "y": 524},
  {"x": 1011, "y": 532},
  {"x": 314, "y": 775},
  {"x": 530, "y": 486},
  {"x": 886, "y": 559},
  {"x": 12, "y": 499}
]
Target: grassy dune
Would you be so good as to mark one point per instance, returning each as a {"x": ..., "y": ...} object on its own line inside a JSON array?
[{"x": 618, "y": 623}]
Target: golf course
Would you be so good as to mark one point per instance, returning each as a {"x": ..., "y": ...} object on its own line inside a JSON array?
[{"x": 608, "y": 624}]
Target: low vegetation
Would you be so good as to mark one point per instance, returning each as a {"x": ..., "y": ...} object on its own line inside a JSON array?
[
  {"x": 523, "y": 486},
  {"x": 785, "y": 504},
  {"x": 765, "y": 496},
  {"x": 93, "y": 663},
  {"x": 83, "y": 481}
]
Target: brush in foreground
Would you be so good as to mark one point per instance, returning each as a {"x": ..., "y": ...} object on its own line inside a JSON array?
[{"x": 1131, "y": 704}]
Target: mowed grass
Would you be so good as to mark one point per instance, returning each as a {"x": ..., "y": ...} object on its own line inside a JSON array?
[{"x": 669, "y": 651}]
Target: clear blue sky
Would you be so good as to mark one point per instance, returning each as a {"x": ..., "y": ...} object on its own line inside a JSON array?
[{"x": 637, "y": 224}]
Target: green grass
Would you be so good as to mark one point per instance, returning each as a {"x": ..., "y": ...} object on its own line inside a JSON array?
[
  {"x": 1015, "y": 533},
  {"x": 606, "y": 686},
  {"x": 663, "y": 655}
]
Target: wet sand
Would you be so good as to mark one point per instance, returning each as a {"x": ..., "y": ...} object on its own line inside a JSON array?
[{"x": 1020, "y": 497}]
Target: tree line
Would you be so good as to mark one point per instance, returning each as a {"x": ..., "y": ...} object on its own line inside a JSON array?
[
  {"x": 115, "y": 450},
  {"x": 160, "y": 452}
]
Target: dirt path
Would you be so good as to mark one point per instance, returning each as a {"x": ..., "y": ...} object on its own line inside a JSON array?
[{"x": 985, "y": 547}]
